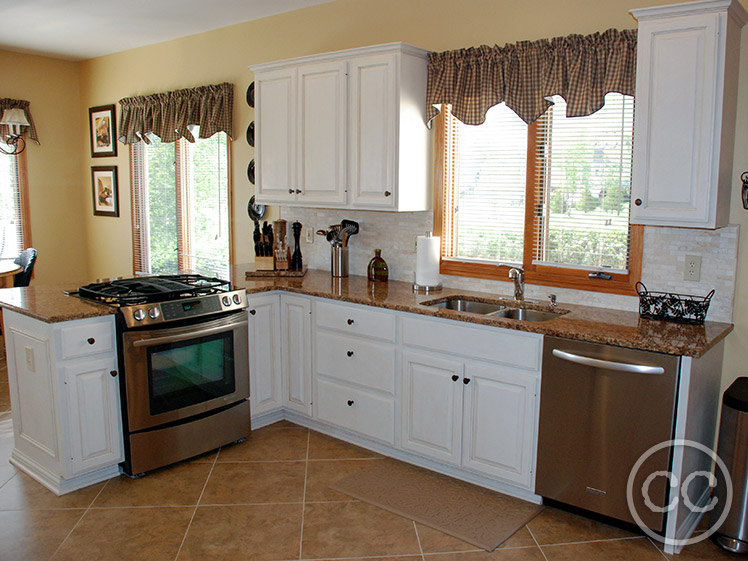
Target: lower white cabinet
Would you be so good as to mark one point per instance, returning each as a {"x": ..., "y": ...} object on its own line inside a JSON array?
[
  {"x": 296, "y": 354},
  {"x": 265, "y": 387},
  {"x": 64, "y": 400}
]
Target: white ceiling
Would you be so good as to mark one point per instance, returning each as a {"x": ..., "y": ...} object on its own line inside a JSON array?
[{"x": 81, "y": 29}]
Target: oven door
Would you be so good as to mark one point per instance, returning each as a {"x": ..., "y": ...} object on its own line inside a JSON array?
[{"x": 175, "y": 373}]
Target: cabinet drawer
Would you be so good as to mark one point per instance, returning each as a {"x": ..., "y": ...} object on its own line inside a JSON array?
[
  {"x": 356, "y": 320},
  {"x": 356, "y": 410},
  {"x": 521, "y": 350},
  {"x": 87, "y": 339},
  {"x": 351, "y": 359}
]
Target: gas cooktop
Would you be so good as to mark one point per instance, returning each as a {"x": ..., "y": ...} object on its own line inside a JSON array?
[{"x": 146, "y": 301}]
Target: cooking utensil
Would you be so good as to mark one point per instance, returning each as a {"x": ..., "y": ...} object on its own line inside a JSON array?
[{"x": 345, "y": 222}]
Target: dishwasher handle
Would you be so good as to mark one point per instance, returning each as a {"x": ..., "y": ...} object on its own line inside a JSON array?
[{"x": 607, "y": 364}]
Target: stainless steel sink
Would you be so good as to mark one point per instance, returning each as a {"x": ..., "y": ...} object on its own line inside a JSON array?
[
  {"x": 465, "y": 305},
  {"x": 525, "y": 314}
]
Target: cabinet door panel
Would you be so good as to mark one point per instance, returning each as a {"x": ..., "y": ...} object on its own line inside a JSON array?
[
  {"x": 371, "y": 129},
  {"x": 296, "y": 360},
  {"x": 432, "y": 406},
  {"x": 499, "y": 423},
  {"x": 275, "y": 150},
  {"x": 94, "y": 414},
  {"x": 264, "y": 354},
  {"x": 675, "y": 120},
  {"x": 322, "y": 135}
]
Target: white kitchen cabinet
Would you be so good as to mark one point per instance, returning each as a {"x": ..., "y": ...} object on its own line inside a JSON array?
[
  {"x": 356, "y": 369},
  {"x": 265, "y": 385},
  {"x": 461, "y": 409},
  {"x": 65, "y": 401},
  {"x": 344, "y": 130},
  {"x": 296, "y": 355},
  {"x": 684, "y": 128}
]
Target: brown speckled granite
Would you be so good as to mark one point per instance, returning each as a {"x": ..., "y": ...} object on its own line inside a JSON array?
[
  {"x": 599, "y": 325},
  {"x": 50, "y": 303}
]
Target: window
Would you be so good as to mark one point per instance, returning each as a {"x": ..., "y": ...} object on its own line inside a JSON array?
[
  {"x": 14, "y": 222},
  {"x": 181, "y": 206},
  {"x": 552, "y": 197}
]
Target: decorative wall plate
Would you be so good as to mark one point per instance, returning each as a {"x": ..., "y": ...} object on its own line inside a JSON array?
[
  {"x": 251, "y": 172},
  {"x": 251, "y": 134},
  {"x": 251, "y": 95}
]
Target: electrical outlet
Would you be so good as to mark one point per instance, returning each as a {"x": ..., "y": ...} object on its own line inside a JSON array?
[
  {"x": 692, "y": 269},
  {"x": 29, "y": 359},
  {"x": 309, "y": 236}
]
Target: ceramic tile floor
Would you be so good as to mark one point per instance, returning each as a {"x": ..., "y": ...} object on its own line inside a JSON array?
[{"x": 267, "y": 499}]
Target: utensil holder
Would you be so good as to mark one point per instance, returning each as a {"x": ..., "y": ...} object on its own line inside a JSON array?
[{"x": 339, "y": 261}]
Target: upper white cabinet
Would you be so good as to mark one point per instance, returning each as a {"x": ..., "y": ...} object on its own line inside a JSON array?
[
  {"x": 684, "y": 128},
  {"x": 344, "y": 130}
]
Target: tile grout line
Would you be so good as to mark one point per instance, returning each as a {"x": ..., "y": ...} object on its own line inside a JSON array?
[
  {"x": 194, "y": 512},
  {"x": 418, "y": 539},
  {"x": 80, "y": 519},
  {"x": 303, "y": 496},
  {"x": 536, "y": 542}
]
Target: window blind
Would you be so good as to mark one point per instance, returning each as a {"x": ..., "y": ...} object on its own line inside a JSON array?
[
  {"x": 13, "y": 229},
  {"x": 582, "y": 186}
]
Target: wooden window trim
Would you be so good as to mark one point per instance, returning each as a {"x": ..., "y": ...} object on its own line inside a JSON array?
[
  {"x": 23, "y": 199},
  {"x": 560, "y": 277}
]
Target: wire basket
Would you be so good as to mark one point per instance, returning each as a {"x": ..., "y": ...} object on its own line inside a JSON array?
[{"x": 668, "y": 306}]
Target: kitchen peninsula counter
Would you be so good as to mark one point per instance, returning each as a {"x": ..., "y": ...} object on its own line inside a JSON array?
[{"x": 586, "y": 323}]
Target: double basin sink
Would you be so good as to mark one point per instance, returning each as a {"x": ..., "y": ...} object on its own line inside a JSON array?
[{"x": 463, "y": 304}]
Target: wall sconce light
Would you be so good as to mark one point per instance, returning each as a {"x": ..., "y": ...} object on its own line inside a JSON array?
[
  {"x": 744, "y": 177},
  {"x": 15, "y": 119}
]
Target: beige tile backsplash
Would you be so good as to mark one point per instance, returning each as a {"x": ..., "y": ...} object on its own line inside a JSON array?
[{"x": 662, "y": 270}]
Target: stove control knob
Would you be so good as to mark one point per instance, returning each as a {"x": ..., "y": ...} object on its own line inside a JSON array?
[
  {"x": 237, "y": 299},
  {"x": 226, "y": 301},
  {"x": 139, "y": 315},
  {"x": 154, "y": 312}
]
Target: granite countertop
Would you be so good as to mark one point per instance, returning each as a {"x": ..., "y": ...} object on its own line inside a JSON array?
[{"x": 598, "y": 325}]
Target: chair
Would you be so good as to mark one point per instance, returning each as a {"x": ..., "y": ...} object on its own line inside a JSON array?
[{"x": 25, "y": 259}]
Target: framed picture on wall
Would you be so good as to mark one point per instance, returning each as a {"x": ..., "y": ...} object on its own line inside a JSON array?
[
  {"x": 103, "y": 131},
  {"x": 105, "y": 191}
]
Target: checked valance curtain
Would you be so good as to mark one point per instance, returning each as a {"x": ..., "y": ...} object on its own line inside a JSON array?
[
  {"x": 8, "y": 103},
  {"x": 169, "y": 115},
  {"x": 581, "y": 69}
]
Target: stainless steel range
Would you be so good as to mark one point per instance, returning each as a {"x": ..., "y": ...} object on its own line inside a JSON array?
[{"x": 183, "y": 352}]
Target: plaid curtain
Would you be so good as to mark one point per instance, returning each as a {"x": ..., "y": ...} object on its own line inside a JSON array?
[
  {"x": 8, "y": 103},
  {"x": 581, "y": 69},
  {"x": 168, "y": 115}
]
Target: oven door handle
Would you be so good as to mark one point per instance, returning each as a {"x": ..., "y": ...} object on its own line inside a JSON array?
[{"x": 184, "y": 336}]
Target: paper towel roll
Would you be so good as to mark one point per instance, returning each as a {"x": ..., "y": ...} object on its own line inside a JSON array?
[{"x": 427, "y": 260}]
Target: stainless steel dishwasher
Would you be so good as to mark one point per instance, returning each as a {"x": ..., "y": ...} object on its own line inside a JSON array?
[{"x": 601, "y": 408}]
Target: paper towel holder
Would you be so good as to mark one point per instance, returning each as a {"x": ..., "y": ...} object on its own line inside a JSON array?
[{"x": 425, "y": 289}]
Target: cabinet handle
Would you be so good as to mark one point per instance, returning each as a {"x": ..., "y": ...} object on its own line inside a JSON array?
[
  {"x": 638, "y": 202},
  {"x": 455, "y": 377},
  {"x": 253, "y": 312},
  {"x": 298, "y": 191},
  {"x": 350, "y": 402},
  {"x": 290, "y": 191},
  {"x": 466, "y": 381},
  {"x": 113, "y": 373},
  {"x": 350, "y": 322},
  {"x": 90, "y": 340},
  {"x": 349, "y": 353},
  {"x": 387, "y": 193}
]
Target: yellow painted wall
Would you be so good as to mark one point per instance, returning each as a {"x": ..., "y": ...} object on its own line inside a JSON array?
[{"x": 56, "y": 185}]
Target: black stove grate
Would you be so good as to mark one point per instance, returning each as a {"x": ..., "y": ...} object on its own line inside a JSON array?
[{"x": 159, "y": 288}]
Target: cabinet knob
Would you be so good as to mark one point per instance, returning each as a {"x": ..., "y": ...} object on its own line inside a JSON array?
[
  {"x": 455, "y": 377},
  {"x": 387, "y": 193},
  {"x": 298, "y": 191},
  {"x": 253, "y": 312},
  {"x": 350, "y": 322},
  {"x": 290, "y": 191},
  {"x": 349, "y": 353},
  {"x": 466, "y": 381},
  {"x": 638, "y": 202},
  {"x": 90, "y": 340},
  {"x": 350, "y": 402},
  {"x": 113, "y": 373}
]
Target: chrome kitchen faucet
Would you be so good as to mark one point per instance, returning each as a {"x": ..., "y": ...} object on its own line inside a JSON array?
[{"x": 517, "y": 274}]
